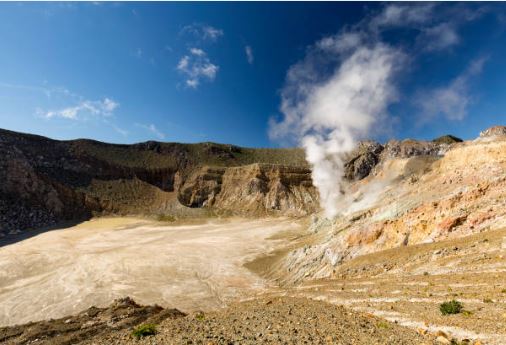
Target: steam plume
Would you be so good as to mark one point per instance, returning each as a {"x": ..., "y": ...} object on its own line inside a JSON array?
[
  {"x": 340, "y": 91},
  {"x": 331, "y": 99}
]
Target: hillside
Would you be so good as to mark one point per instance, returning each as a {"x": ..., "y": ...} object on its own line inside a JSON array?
[
  {"x": 45, "y": 181},
  {"x": 409, "y": 200}
]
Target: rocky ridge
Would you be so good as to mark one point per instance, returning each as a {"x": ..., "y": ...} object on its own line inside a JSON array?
[
  {"x": 94, "y": 322},
  {"x": 45, "y": 181},
  {"x": 496, "y": 131}
]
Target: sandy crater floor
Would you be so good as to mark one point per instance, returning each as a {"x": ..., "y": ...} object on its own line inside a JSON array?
[{"x": 188, "y": 267}]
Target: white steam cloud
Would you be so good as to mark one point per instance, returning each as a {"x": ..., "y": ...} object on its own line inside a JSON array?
[
  {"x": 341, "y": 90},
  {"x": 328, "y": 115}
]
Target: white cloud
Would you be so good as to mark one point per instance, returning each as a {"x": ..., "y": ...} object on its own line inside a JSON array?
[
  {"x": 211, "y": 32},
  {"x": 440, "y": 37},
  {"x": 341, "y": 42},
  {"x": 109, "y": 105},
  {"x": 202, "y": 32},
  {"x": 437, "y": 23},
  {"x": 104, "y": 107},
  {"x": 183, "y": 63},
  {"x": 193, "y": 83},
  {"x": 450, "y": 101},
  {"x": 78, "y": 109},
  {"x": 48, "y": 91},
  {"x": 197, "y": 52},
  {"x": 152, "y": 129},
  {"x": 196, "y": 67},
  {"x": 403, "y": 15},
  {"x": 249, "y": 54}
]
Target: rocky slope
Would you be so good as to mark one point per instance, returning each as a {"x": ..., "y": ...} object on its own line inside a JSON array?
[
  {"x": 266, "y": 321},
  {"x": 444, "y": 192},
  {"x": 407, "y": 285}
]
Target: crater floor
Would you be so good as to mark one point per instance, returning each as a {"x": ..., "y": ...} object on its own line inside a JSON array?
[{"x": 189, "y": 266}]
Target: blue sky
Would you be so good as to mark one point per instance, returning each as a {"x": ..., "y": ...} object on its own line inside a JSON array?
[{"x": 191, "y": 72}]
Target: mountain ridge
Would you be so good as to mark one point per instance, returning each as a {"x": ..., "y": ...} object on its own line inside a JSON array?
[{"x": 46, "y": 181}]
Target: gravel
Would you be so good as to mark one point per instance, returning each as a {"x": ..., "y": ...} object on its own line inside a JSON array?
[{"x": 273, "y": 321}]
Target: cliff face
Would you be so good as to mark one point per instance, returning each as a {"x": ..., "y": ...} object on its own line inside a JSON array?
[{"x": 252, "y": 189}]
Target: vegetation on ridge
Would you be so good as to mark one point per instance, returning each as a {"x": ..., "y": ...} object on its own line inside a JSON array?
[
  {"x": 144, "y": 330},
  {"x": 450, "y": 307}
]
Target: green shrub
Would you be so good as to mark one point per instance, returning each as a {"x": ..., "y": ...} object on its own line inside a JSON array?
[
  {"x": 383, "y": 325},
  {"x": 450, "y": 307},
  {"x": 144, "y": 330},
  {"x": 165, "y": 218}
]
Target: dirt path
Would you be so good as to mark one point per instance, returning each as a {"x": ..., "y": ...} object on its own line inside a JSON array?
[{"x": 189, "y": 267}]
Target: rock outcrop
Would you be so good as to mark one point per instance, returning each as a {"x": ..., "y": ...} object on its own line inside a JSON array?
[
  {"x": 447, "y": 139},
  {"x": 493, "y": 132},
  {"x": 410, "y": 148},
  {"x": 361, "y": 161},
  {"x": 252, "y": 189}
]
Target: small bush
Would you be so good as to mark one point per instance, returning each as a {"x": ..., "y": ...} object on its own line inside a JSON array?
[
  {"x": 165, "y": 218},
  {"x": 450, "y": 307},
  {"x": 383, "y": 325},
  {"x": 488, "y": 300},
  {"x": 144, "y": 330}
]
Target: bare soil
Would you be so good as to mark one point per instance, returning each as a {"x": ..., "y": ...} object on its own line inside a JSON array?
[{"x": 184, "y": 266}]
